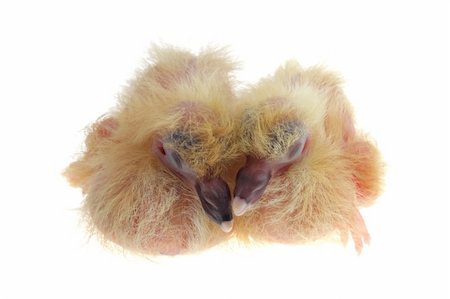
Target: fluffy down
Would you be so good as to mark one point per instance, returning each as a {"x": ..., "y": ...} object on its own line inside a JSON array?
[
  {"x": 340, "y": 171},
  {"x": 187, "y": 102},
  {"x": 131, "y": 199}
]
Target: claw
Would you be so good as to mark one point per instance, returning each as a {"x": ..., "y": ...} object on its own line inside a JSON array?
[{"x": 359, "y": 232}]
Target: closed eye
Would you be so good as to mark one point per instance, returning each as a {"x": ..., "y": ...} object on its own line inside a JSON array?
[
  {"x": 176, "y": 160},
  {"x": 296, "y": 149}
]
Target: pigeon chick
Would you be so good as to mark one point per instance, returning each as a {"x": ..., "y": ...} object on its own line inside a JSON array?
[
  {"x": 308, "y": 169},
  {"x": 153, "y": 170}
]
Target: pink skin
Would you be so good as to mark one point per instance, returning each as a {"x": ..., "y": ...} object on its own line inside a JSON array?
[
  {"x": 359, "y": 232},
  {"x": 214, "y": 193},
  {"x": 106, "y": 127},
  {"x": 253, "y": 178}
]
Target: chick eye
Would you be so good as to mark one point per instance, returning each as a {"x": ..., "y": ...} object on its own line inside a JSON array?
[
  {"x": 169, "y": 155},
  {"x": 173, "y": 158},
  {"x": 296, "y": 149}
]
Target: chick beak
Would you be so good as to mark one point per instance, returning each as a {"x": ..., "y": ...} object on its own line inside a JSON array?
[
  {"x": 251, "y": 181},
  {"x": 215, "y": 196},
  {"x": 227, "y": 226},
  {"x": 239, "y": 206}
]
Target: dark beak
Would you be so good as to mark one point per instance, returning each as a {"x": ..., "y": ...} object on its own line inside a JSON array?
[{"x": 215, "y": 196}]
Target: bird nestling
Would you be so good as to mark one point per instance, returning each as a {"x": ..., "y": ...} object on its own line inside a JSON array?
[
  {"x": 153, "y": 169},
  {"x": 308, "y": 169},
  {"x": 182, "y": 164}
]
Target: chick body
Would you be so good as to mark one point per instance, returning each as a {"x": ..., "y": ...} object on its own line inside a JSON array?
[
  {"x": 339, "y": 172},
  {"x": 131, "y": 198}
]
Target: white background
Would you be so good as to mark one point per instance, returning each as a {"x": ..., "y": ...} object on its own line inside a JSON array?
[{"x": 62, "y": 65}]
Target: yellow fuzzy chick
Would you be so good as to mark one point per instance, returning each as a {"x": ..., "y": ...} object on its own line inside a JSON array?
[
  {"x": 308, "y": 169},
  {"x": 153, "y": 171}
]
